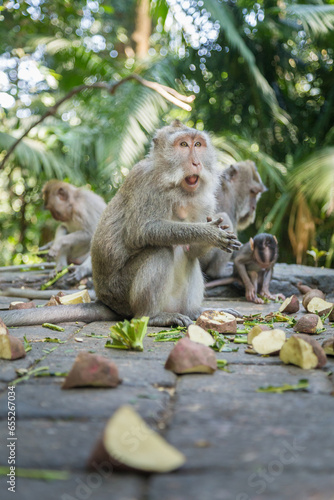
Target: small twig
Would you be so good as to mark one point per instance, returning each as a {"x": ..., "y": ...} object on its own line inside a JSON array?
[
  {"x": 19, "y": 267},
  {"x": 167, "y": 92}
]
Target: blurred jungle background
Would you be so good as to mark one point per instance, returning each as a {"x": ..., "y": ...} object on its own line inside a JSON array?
[{"x": 262, "y": 74}]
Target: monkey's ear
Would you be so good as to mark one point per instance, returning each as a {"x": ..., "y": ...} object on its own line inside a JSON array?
[
  {"x": 232, "y": 171},
  {"x": 177, "y": 124},
  {"x": 275, "y": 240},
  {"x": 63, "y": 194},
  {"x": 251, "y": 242}
]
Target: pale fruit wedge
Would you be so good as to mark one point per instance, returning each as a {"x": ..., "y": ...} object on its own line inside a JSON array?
[
  {"x": 309, "y": 323},
  {"x": 92, "y": 370},
  {"x": 302, "y": 350},
  {"x": 199, "y": 335},
  {"x": 191, "y": 357},
  {"x": 319, "y": 306},
  {"x": 269, "y": 342},
  {"x": 11, "y": 347},
  {"x": 255, "y": 331},
  {"x": 290, "y": 305},
  {"x": 131, "y": 444},
  {"x": 75, "y": 298}
]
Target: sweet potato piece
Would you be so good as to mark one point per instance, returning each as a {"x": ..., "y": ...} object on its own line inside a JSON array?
[
  {"x": 303, "y": 288},
  {"x": 11, "y": 347},
  {"x": 191, "y": 357},
  {"x": 256, "y": 330},
  {"x": 310, "y": 295},
  {"x": 328, "y": 346},
  {"x": 3, "y": 328},
  {"x": 319, "y": 306},
  {"x": 309, "y": 323},
  {"x": 302, "y": 350},
  {"x": 75, "y": 298},
  {"x": 269, "y": 342},
  {"x": 22, "y": 305},
  {"x": 129, "y": 443},
  {"x": 216, "y": 320},
  {"x": 199, "y": 335},
  {"x": 290, "y": 305},
  {"x": 92, "y": 370}
]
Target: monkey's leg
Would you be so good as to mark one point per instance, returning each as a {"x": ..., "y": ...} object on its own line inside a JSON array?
[
  {"x": 160, "y": 287},
  {"x": 255, "y": 277}
]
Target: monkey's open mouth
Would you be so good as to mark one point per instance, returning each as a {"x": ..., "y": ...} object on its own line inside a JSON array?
[{"x": 192, "y": 180}]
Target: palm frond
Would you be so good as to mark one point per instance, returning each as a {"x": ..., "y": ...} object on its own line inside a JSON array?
[
  {"x": 136, "y": 113},
  {"x": 221, "y": 13},
  {"x": 316, "y": 19},
  {"x": 315, "y": 177},
  {"x": 34, "y": 156},
  {"x": 240, "y": 148}
]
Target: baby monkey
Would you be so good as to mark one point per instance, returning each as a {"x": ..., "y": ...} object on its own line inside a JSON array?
[{"x": 253, "y": 268}]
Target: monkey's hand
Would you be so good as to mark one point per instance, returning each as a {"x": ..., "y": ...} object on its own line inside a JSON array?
[
  {"x": 226, "y": 240},
  {"x": 251, "y": 295}
]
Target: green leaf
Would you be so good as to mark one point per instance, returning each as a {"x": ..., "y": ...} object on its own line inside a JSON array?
[
  {"x": 128, "y": 334},
  {"x": 301, "y": 386}
]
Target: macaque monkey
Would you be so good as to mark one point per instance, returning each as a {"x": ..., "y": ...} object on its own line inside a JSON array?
[
  {"x": 79, "y": 211},
  {"x": 239, "y": 191},
  {"x": 253, "y": 267},
  {"x": 146, "y": 248}
]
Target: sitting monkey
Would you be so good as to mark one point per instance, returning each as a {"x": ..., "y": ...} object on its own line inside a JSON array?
[
  {"x": 253, "y": 267},
  {"x": 146, "y": 248},
  {"x": 240, "y": 188},
  {"x": 79, "y": 211}
]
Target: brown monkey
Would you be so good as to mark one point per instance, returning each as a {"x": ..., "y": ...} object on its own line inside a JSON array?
[
  {"x": 253, "y": 267},
  {"x": 239, "y": 191},
  {"x": 146, "y": 247},
  {"x": 78, "y": 210}
]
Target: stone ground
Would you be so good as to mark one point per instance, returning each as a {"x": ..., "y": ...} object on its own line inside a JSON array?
[{"x": 239, "y": 444}]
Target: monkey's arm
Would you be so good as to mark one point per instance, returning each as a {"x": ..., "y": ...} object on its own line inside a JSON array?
[
  {"x": 63, "y": 247},
  {"x": 167, "y": 233},
  {"x": 242, "y": 259}
]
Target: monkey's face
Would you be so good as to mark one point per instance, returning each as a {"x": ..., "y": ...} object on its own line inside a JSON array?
[
  {"x": 250, "y": 186},
  {"x": 59, "y": 205},
  {"x": 265, "y": 250},
  {"x": 190, "y": 152}
]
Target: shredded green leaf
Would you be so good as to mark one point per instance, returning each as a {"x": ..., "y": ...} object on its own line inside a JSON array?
[
  {"x": 53, "y": 327},
  {"x": 27, "y": 346},
  {"x": 47, "y": 475},
  {"x": 301, "y": 386},
  {"x": 128, "y": 334},
  {"x": 56, "y": 341}
]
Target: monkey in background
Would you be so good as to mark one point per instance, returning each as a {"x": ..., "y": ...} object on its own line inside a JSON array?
[
  {"x": 253, "y": 267},
  {"x": 240, "y": 189},
  {"x": 79, "y": 211},
  {"x": 146, "y": 248}
]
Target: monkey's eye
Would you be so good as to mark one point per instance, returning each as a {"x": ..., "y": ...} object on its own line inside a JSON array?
[
  {"x": 198, "y": 144},
  {"x": 184, "y": 144}
]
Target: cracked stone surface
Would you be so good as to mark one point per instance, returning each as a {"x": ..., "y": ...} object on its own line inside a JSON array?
[{"x": 239, "y": 444}]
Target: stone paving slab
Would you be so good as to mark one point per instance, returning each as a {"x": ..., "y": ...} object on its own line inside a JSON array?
[
  {"x": 237, "y": 441},
  {"x": 273, "y": 482}
]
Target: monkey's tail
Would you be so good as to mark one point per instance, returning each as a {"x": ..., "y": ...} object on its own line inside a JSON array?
[{"x": 59, "y": 314}]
